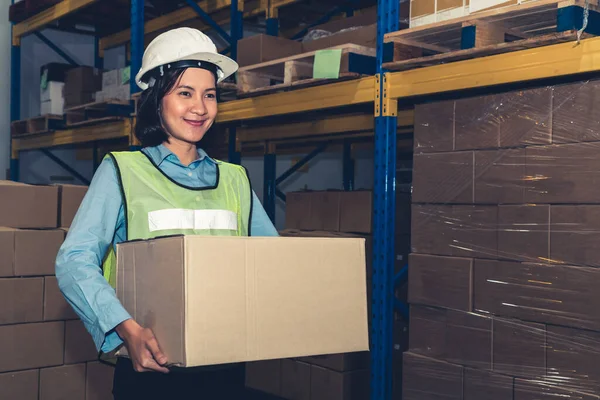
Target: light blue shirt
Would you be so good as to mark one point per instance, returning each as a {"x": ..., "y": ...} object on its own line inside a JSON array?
[{"x": 100, "y": 222}]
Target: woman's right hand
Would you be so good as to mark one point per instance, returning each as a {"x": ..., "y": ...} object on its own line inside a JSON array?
[{"x": 142, "y": 346}]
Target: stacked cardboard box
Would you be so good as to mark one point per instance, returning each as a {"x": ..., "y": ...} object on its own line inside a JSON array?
[
  {"x": 504, "y": 265},
  {"x": 52, "y": 83},
  {"x": 81, "y": 85},
  {"x": 46, "y": 351},
  {"x": 115, "y": 85}
]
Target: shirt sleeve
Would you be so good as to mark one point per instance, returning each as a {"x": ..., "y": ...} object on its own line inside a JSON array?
[
  {"x": 261, "y": 224},
  {"x": 99, "y": 222}
]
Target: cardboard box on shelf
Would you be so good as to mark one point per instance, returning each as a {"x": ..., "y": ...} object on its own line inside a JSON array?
[
  {"x": 21, "y": 300},
  {"x": 22, "y": 385},
  {"x": 79, "y": 346},
  {"x": 99, "y": 381},
  {"x": 52, "y": 91},
  {"x": 64, "y": 382},
  {"x": 28, "y": 206},
  {"x": 326, "y": 384},
  {"x": 55, "y": 107},
  {"x": 261, "y": 48},
  {"x": 264, "y": 376},
  {"x": 295, "y": 380},
  {"x": 341, "y": 362},
  {"x": 56, "y": 307},
  {"x": 28, "y": 252},
  {"x": 70, "y": 198},
  {"x": 290, "y": 287},
  {"x": 362, "y": 36}
]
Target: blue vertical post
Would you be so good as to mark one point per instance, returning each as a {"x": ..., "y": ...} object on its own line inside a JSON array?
[
  {"x": 237, "y": 27},
  {"x": 15, "y": 100},
  {"x": 384, "y": 199},
  {"x": 272, "y": 20},
  {"x": 269, "y": 184},
  {"x": 98, "y": 61},
  {"x": 137, "y": 40},
  {"x": 348, "y": 166}
]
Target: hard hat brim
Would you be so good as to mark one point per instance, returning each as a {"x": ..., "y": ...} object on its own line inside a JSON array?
[{"x": 227, "y": 66}]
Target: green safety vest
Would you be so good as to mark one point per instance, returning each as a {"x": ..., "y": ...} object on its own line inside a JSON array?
[{"x": 155, "y": 205}]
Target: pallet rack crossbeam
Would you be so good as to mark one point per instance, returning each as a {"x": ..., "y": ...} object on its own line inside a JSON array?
[
  {"x": 55, "y": 48},
  {"x": 65, "y": 166},
  {"x": 209, "y": 21},
  {"x": 301, "y": 163}
]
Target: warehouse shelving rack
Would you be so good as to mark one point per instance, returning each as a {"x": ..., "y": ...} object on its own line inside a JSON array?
[{"x": 378, "y": 108}]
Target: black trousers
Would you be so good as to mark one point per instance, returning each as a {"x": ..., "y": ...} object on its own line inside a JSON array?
[{"x": 198, "y": 383}]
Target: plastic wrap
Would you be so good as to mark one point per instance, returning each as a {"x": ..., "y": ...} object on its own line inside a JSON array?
[{"x": 504, "y": 277}]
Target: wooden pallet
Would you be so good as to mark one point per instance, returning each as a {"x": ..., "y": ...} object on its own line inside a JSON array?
[
  {"x": 92, "y": 113},
  {"x": 525, "y": 26},
  {"x": 41, "y": 124},
  {"x": 297, "y": 71}
]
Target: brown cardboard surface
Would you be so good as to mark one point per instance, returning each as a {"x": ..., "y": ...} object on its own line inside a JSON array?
[
  {"x": 70, "y": 197},
  {"x": 434, "y": 127},
  {"x": 56, "y": 307},
  {"x": 331, "y": 385},
  {"x": 574, "y": 234},
  {"x": 420, "y": 8},
  {"x": 519, "y": 348},
  {"x": 564, "y": 174},
  {"x": 524, "y": 232},
  {"x": 440, "y": 281},
  {"x": 295, "y": 380},
  {"x": 79, "y": 346},
  {"x": 476, "y": 125},
  {"x": 355, "y": 211},
  {"x": 264, "y": 376},
  {"x": 363, "y": 36},
  {"x": 297, "y": 207},
  {"x": 99, "y": 381},
  {"x": 22, "y": 385},
  {"x": 36, "y": 250},
  {"x": 426, "y": 378},
  {"x": 278, "y": 296},
  {"x": 28, "y": 206},
  {"x": 536, "y": 390},
  {"x": 82, "y": 79},
  {"x": 443, "y": 178},
  {"x": 65, "y": 382},
  {"x": 22, "y": 348},
  {"x": 325, "y": 210},
  {"x": 21, "y": 300},
  {"x": 261, "y": 48},
  {"x": 469, "y": 339},
  {"x": 546, "y": 293},
  {"x": 500, "y": 176},
  {"x": 360, "y": 18},
  {"x": 481, "y": 385},
  {"x": 341, "y": 362},
  {"x": 525, "y": 117},
  {"x": 427, "y": 336},
  {"x": 573, "y": 112},
  {"x": 443, "y": 5}
]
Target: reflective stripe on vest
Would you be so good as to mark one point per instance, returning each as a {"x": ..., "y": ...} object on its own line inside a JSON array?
[{"x": 173, "y": 218}]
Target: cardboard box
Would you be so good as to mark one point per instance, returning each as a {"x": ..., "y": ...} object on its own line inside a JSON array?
[
  {"x": 65, "y": 382},
  {"x": 82, "y": 80},
  {"x": 99, "y": 381},
  {"x": 325, "y": 210},
  {"x": 79, "y": 346},
  {"x": 79, "y": 98},
  {"x": 440, "y": 281},
  {"x": 22, "y": 385},
  {"x": 55, "y": 107},
  {"x": 443, "y": 178},
  {"x": 573, "y": 112},
  {"x": 481, "y": 385},
  {"x": 355, "y": 211},
  {"x": 519, "y": 348},
  {"x": 574, "y": 234},
  {"x": 424, "y": 12},
  {"x": 366, "y": 16},
  {"x": 331, "y": 385},
  {"x": 341, "y": 362},
  {"x": 434, "y": 127},
  {"x": 21, "y": 300},
  {"x": 362, "y": 36},
  {"x": 261, "y": 48},
  {"x": 440, "y": 380},
  {"x": 70, "y": 198},
  {"x": 52, "y": 92},
  {"x": 524, "y": 232},
  {"x": 264, "y": 376},
  {"x": 28, "y": 206},
  {"x": 25, "y": 252},
  {"x": 295, "y": 380},
  {"x": 56, "y": 307},
  {"x": 297, "y": 207},
  {"x": 537, "y": 389},
  {"x": 500, "y": 176},
  {"x": 279, "y": 296},
  {"x": 28, "y": 346}
]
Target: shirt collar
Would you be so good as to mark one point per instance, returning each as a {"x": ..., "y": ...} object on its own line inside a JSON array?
[{"x": 161, "y": 152}]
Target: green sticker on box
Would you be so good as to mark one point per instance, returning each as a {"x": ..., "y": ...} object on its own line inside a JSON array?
[
  {"x": 125, "y": 75},
  {"x": 44, "y": 81},
  {"x": 327, "y": 64}
]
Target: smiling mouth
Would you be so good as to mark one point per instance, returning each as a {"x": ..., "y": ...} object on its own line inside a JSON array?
[{"x": 194, "y": 122}]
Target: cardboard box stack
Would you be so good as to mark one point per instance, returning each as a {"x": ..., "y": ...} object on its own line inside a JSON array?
[
  {"x": 81, "y": 85},
  {"x": 115, "y": 85},
  {"x": 503, "y": 273},
  {"x": 52, "y": 83},
  {"x": 46, "y": 351},
  {"x": 330, "y": 213}
]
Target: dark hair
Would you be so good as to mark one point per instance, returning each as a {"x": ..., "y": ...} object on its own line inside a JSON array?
[{"x": 148, "y": 126}]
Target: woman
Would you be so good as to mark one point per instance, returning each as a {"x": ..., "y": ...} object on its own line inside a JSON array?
[{"x": 169, "y": 187}]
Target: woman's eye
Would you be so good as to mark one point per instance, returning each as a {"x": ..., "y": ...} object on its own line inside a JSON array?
[
  {"x": 211, "y": 95},
  {"x": 185, "y": 93}
]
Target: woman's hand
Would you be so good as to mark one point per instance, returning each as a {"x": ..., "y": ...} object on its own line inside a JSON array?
[{"x": 142, "y": 347}]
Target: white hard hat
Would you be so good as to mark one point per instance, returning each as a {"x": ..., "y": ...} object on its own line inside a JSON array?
[{"x": 183, "y": 47}]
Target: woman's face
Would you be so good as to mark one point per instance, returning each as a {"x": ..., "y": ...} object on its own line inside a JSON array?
[{"x": 190, "y": 108}]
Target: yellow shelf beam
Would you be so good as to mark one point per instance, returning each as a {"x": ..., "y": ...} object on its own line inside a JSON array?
[
  {"x": 218, "y": 9},
  {"x": 329, "y": 125},
  {"x": 563, "y": 59},
  {"x": 359, "y": 91},
  {"x": 47, "y": 16},
  {"x": 86, "y": 134}
]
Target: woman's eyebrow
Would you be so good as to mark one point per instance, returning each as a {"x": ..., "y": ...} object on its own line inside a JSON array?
[{"x": 185, "y": 87}]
